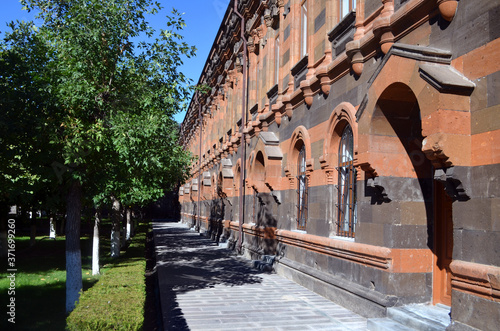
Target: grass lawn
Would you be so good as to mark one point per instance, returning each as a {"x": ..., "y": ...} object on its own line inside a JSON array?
[{"x": 40, "y": 282}]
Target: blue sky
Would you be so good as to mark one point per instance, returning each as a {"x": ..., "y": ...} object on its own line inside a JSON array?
[{"x": 203, "y": 18}]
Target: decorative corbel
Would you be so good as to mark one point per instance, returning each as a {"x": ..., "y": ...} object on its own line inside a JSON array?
[
  {"x": 325, "y": 166},
  {"x": 434, "y": 152},
  {"x": 307, "y": 92},
  {"x": 250, "y": 45},
  {"x": 368, "y": 169},
  {"x": 325, "y": 81},
  {"x": 447, "y": 8},
  {"x": 276, "y": 109},
  {"x": 353, "y": 51},
  {"x": 382, "y": 26},
  {"x": 291, "y": 179}
]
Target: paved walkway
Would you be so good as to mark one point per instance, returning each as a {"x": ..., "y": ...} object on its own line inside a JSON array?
[{"x": 206, "y": 287}]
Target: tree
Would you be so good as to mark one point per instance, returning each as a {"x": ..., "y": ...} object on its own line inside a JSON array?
[
  {"x": 112, "y": 97},
  {"x": 26, "y": 118}
]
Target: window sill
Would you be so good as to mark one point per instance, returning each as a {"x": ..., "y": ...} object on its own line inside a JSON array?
[{"x": 342, "y": 238}]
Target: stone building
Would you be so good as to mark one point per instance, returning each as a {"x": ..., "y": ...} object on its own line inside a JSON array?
[{"x": 357, "y": 141}]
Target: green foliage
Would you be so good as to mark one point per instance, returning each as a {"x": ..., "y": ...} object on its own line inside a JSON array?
[
  {"x": 26, "y": 115},
  {"x": 116, "y": 301},
  {"x": 87, "y": 99}
]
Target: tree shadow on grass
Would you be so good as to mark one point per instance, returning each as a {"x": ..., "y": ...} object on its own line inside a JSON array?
[
  {"x": 40, "y": 304},
  {"x": 39, "y": 307},
  {"x": 188, "y": 262}
]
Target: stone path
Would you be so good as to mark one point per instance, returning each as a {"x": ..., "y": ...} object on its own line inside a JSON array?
[{"x": 205, "y": 287}]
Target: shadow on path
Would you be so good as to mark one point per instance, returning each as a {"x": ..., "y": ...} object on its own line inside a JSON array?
[{"x": 186, "y": 262}]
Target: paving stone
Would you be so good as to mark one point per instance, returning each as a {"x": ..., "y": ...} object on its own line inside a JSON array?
[{"x": 206, "y": 287}]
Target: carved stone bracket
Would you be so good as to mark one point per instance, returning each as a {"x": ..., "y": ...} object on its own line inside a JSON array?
[
  {"x": 435, "y": 154},
  {"x": 353, "y": 51},
  {"x": 382, "y": 26},
  {"x": 368, "y": 169},
  {"x": 271, "y": 13},
  {"x": 291, "y": 178},
  {"x": 447, "y": 8},
  {"x": 453, "y": 186},
  {"x": 325, "y": 166}
]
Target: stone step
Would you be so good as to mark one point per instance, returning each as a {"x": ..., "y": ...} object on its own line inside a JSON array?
[
  {"x": 386, "y": 324},
  {"x": 421, "y": 317}
]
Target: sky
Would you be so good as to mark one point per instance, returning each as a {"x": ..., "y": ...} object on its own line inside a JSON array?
[{"x": 202, "y": 17}]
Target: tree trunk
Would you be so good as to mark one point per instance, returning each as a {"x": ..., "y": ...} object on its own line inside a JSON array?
[
  {"x": 128, "y": 224},
  {"x": 52, "y": 227},
  {"x": 73, "y": 253},
  {"x": 33, "y": 228},
  {"x": 115, "y": 228},
  {"x": 95, "y": 243},
  {"x": 123, "y": 229}
]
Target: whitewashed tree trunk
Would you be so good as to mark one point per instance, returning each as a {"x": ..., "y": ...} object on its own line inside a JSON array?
[
  {"x": 124, "y": 230},
  {"x": 95, "y": 242},
  {"x": 128, "y": 225},
  {"x": 73, "y": 253},
  {"x": 115, "y": 227},
  {"x": 52, "y": 227}
]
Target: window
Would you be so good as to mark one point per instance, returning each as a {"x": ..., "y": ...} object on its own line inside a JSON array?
[
  {"x": 346, "y": 186},
  {"x": 302, "y": 190},
  {"x": 276, "y": 60},
  {"x": 346, "y": 6},
  {"x": 303, "y": 29}
]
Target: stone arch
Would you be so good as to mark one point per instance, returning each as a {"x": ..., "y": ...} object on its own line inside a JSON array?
[
  {"x": 237, "y": 177},
  {"x": 342, "y": 115},
  {"x": 395, "y": 131},
  {"x": 300, "y": 137},
  {"x": 257, "y": 173},
  {"x": 226, "y": 176},
  {"x": 441, "y": 92}
]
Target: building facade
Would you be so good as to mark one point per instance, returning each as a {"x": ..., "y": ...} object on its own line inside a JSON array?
[{"x": 358, "y": 142}]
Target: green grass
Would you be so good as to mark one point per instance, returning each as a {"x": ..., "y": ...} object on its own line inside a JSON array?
[
  {"x": 116, "y": 301},
  {"x": 40, "y": 281}
]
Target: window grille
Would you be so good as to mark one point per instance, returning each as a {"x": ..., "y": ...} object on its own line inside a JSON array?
[
  {"x": 302, "y": 190},
  {"x": 347, "y": 211}
]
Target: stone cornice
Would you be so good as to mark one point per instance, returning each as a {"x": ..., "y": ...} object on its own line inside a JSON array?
[{"x": 377, "y": 33}]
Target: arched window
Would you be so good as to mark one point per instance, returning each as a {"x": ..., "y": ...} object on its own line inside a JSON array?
[
  {"x": 302, "y": 189},
  {"x": 347, "y": 214}
]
